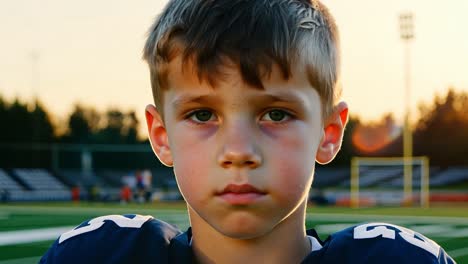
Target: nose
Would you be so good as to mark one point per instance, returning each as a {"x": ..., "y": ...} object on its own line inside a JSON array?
[{"x": 239, "y": 148}]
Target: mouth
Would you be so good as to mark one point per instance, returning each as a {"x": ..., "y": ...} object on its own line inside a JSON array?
[{"x": 244, "y": 194}]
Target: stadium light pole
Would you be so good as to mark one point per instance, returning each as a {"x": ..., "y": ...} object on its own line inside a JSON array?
[
  {"x": 407, "y": 35},
  {"x": 34, "y": 55}
]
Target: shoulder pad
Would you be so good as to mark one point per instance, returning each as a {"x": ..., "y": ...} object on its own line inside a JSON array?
[
  {"x": 114, "y": 239},
  {"x": 381, "y": 243}
]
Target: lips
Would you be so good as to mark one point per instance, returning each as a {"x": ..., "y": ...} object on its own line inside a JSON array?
[
  {"x": 244, "y": 188},
  {"x": 244, "y": 194}
]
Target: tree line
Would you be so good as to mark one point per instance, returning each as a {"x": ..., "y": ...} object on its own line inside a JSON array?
[
  {"x": 29, "y": 133},
  {"x": 32, "y": 123},
  {"x": 440, "y": 132}
]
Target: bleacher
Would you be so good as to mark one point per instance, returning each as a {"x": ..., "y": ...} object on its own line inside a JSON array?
[
  {"x": 32, "y": 185},
  {"x": 89, "y": 181},
  {"x": 329, "y": 177},
  {"x": 109, "y": 181},
  {"x": 84, "y": 179},
  {"x": 450, "y": 176},
  {"x": 438, "y": 177},
  {"x": 399, "y": 181},
  {"x": 36, "y": 195},
  {"x": 385, "y": 177},
  {"x": 39, "y": 179},
  {"x": 7, "y": 183},
  {"x": 375, "y": 177}
]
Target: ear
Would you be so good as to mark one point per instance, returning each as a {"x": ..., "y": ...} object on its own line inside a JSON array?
[
  {"x": 332, "y": 134},
  {"x": 158, "y": 135}
]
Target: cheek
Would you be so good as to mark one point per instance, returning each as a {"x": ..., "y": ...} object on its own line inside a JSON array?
[
  {"x": 189, "y": 175},
  {"x": 294, "y": 180},
  {"x": 294, "y": 161},
  {"x": 191, "y": 164}
]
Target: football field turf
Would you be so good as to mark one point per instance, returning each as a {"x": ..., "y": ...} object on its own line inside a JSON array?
[{"x": 28, "y": 229}]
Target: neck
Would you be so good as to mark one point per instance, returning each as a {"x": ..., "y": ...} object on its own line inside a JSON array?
[{"x": 286, "y": 243}]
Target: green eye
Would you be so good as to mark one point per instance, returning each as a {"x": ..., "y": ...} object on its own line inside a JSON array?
[
  {"x": 277, "y": 115},
  {"x": 203, "y": 115}
]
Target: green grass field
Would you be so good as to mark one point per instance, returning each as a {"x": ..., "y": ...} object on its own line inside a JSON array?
[{"x": 446, "y": 225}]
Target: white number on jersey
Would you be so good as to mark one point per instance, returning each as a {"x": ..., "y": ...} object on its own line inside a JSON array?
[
  {"x": 121, "y": 221},
  {"x": 381, "y": 229}
]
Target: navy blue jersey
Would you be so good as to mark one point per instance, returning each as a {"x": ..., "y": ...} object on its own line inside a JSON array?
[{"x": 143, "y": 239}]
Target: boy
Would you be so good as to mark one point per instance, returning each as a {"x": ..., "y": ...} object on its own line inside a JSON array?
[{"x": 245, "y": 105}]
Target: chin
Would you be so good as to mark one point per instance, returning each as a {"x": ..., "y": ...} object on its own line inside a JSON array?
[
  {"x": 244, "y": 229},
  {"x": 242, "y": 234}
]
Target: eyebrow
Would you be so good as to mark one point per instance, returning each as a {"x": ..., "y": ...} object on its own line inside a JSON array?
[
  {"x": 185, "y": 99},
  {"x": 285, "y": 96},
  {"x": 281, "y": 96}
]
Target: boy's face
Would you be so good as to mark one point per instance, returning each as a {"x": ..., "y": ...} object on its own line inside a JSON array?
[{"x": 243, "y": 157}]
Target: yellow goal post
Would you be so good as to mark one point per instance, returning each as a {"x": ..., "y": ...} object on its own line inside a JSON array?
[{"x": 408, "y": 163}]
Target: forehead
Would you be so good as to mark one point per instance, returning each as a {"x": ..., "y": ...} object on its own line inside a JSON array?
[{"x": 184, "y": 74}]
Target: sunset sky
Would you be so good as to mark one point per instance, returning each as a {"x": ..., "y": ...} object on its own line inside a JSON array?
[{"x": 90, "y": 52}]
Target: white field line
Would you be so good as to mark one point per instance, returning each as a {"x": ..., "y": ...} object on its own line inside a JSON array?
[
  {"x": 34, "y": 235},
  {"x": 441, "y": 230},
  {"x": 458, "y": 252},
  {"x": 30, "y": 260},
  {"x": 433, "y": 230},
  {"x": 392, "y": 218},
  {"x": 4, "y": 216},
  {"x": 92, "y": 210}
]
